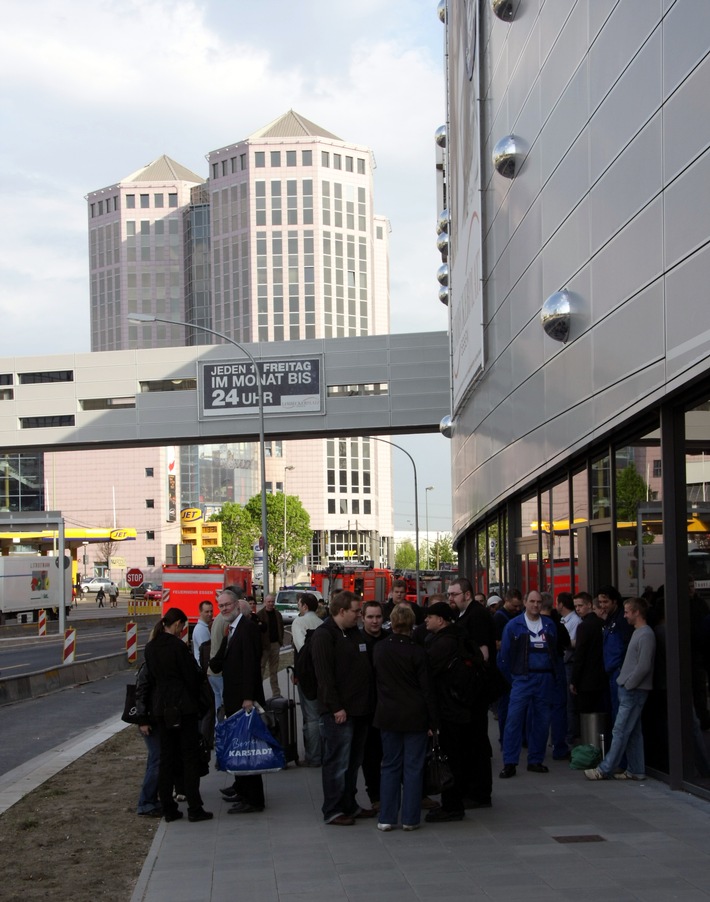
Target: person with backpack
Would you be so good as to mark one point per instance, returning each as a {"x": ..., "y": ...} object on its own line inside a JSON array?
[{"x": 301, "y": 631}]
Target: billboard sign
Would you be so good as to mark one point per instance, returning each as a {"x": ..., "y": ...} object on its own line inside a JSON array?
[
  {"x": 464, "y": 181},
  {"x": 288, "y": 385}
]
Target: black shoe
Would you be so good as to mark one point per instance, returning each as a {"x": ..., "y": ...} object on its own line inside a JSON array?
[
  {"x": 538, "y": 769},
  {"x": 229, "y": 793},
  {"x": 509, "y": 770},
  {"x": 245, "y": 808},
  {"x": 200, "y": 815},
  {"x": 154, "y": 812},
  {"x": 442, "y": 816},
  {"x": 470, "y": 804},
  {"x": 173, "y": 815}
]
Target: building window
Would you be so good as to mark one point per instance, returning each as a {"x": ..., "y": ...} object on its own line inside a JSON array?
[
  {"x": 150, "y": 535},
  {"x": 224, "y": 167},
  {"x": 337, "y": 161},
  {"x": 290, "y": 157},
  {"x": 366, "y": 507},
  {"x": 172, "y": 200},
  {"x": 149, "y": 471},
  {"x": 275, "y": 157},
  {"x": 380, "y": 233},
  {"x": 43, "y": 422},
  {"x": 348, "y": 164},
  {"x": 360, "y": 166},
  {"x": 657, "y": 471},
  {"x": 50, "y": 376},
  {"x": 307, "y": 157},
  {"x": 343, "y": 505},
  {"x": 145, "y": 201},
  {"x": 325, "y": 158},
  {"x": 273, "y": 449},
  {"x": 242, "y": 161},
  {"x": 150, "y": 562},
  {"x": 232, "y": 164},
  {"x": 130, "y": 201},
  {"x": 356, "y": 506},
  {"x": 150, "y": 502},
  {"x": 215, "y": 170},
  {"x": 158, "y": 200},
  {"x": 259, "y": 159},
  {"x": 331, "y": 505}
]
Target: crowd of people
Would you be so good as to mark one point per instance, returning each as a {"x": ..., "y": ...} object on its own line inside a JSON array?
[{"x": 388, "y": 679}]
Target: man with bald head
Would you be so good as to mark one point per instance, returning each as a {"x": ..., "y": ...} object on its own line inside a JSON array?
[{"x": 527, "y": 660}]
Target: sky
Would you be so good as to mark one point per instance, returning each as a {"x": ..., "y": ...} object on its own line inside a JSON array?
[{"x": 93, "y": 90}]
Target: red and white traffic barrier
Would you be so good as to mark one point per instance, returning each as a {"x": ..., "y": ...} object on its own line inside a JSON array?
[
  {"x": 132, "y": 641},
  {"x": 69, "y": 646},
  {"x": 42, "y": 622}
]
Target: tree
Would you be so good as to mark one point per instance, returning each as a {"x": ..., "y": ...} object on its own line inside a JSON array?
[
  {"x": 298, "y": 529},
  {"x": 631, "y": 490},
  {"x": 405, "y": 557},
  {"x": 106, "y": 550},
  {"x": 239, "y": 532},
  {"x": 442, "y": 551}
]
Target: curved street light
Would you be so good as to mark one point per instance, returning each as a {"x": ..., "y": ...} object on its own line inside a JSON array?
[
  {"x": 416, "y": 503},
  {"x": 148, "y": 318}
]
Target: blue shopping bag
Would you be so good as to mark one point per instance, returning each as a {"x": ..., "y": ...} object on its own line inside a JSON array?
[{"x": 243, "y": 745}]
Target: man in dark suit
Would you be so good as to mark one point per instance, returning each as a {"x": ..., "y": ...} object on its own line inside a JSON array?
[{"x": 239, "y": 662}]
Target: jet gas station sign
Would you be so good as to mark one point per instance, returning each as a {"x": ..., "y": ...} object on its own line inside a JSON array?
[{"x": 289, "y": 385}]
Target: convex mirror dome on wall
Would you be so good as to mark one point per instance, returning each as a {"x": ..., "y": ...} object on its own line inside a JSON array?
[
  {"x": 556, "y": 315},
  {"x": 441, "y": 10},
  {"x": 504, "y": 9},
  {"x": 446, "y": 426},
  {"x": 440, "y": 136},
  {"x": 508, "y": 156}
]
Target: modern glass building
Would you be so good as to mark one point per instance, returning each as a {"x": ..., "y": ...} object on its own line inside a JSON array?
[{"x": 573, "y": 172}]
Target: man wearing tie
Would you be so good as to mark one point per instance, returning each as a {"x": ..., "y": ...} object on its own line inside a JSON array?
[{"x": 239, "y": 662}]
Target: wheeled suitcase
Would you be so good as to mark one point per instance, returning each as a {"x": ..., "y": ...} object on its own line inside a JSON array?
[{"x": 281, "y": 714}]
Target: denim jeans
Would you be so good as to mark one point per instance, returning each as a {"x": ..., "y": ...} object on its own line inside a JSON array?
[
  {"x": 148, "y": 798},
  {"x": 626, "y": 735},
  {"x": 217, "y": 684},
  {"x": 343, "y": 748},
  {"x": 534, "y": 691},
  {"x": 402, "y": 775},
  {"x": 311, "y": 728}
]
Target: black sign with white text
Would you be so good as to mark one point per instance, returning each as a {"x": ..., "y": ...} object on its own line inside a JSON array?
[{"x": 291, "y": 385}]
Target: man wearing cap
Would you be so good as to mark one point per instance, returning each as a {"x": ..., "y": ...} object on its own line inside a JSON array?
[
  {"x": 493, "y": 603},
  {"x": 454, "y": 716},
  {"x": 527, "y": 660}
]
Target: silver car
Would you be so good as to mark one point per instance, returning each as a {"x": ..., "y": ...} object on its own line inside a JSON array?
[
  {"x": 93, "y": 585},
  {"x": 287, "y": 602}
]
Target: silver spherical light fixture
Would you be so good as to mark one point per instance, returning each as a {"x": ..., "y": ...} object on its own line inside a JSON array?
[
  {"x": 444, "y": 295},
  {"x": 446, "y": 426},
  {"x": 443, "y": 222},
  {"x": 442, "y": 244},
  {"x": 507, "y": 155},
  {"x": 556, "y": 315},
  {"x": 504, "y": 9},
  {"x": 441, "y": 10},
  {"x": 440, "y": 136},
  {"x": 442, "y": 274}
]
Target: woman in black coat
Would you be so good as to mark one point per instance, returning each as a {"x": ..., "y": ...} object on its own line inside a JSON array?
[
  {"x": 404, "y": 715},
  {"x": 174, "y": 684}
]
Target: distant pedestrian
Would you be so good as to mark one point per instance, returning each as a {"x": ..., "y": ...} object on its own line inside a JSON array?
[
  {"x": 100, "y": 596},
  {"x": 113, "y": 595}
]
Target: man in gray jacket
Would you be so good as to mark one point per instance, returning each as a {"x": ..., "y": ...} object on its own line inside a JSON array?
[{"x": 635, "y": 681}]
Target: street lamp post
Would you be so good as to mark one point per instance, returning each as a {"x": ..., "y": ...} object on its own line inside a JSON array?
[
  {"x": 429, "y": 488},
  {"x": 284, "y": 487},
  {"x": 148, "y": 318},
  {"x": 416, "y": 504},
  {"x": 85, "y": 546}
]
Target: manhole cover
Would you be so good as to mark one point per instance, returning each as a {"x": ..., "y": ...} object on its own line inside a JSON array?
[{"x": 584, "y": 837}]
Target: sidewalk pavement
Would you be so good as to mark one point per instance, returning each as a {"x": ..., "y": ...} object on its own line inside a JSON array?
[{"x": 556, "y": 836}]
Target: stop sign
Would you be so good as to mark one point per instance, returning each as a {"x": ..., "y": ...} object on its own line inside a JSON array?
[{"x": 134, "y": 578}]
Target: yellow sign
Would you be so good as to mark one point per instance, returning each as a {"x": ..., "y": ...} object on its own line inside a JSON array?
[
  {"x": 120, "y": 535},
  {"x": 190, "y": 514},
  {"x": 117, "y": 563}
]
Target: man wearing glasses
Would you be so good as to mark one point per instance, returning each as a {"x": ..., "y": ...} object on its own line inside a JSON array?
[{"x": 527, "y": 660}]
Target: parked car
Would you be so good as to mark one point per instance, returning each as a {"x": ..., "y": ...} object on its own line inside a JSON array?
[
  {"x": 287, "y": 602},
  {"x": 141, "y": 590},
  {"x": 93, "y": 585},
  {"x": 155, "y": 593}
]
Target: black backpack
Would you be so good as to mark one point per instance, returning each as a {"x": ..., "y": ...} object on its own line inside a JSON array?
[
  {"x": 470, "y": 679},
  {"x": 304, "y": 668}
]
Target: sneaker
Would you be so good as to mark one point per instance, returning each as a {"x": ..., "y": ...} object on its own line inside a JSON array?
[
  {"x": 409, "y": 827},
  {"x": 386, "y": 828},
  {"x": 595, "y": 774},
  {"x": 627, "y": 775}
]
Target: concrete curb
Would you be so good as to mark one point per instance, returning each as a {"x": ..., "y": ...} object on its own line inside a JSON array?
[{"x": 42, "y": 682}]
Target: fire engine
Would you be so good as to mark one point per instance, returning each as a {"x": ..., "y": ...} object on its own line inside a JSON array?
[{"x": 185, "y": 587}]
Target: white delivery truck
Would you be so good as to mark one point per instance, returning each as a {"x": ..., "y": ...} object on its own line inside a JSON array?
[{"x": 29, "y": 583}]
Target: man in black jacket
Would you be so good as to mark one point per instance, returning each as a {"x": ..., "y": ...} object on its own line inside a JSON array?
[
  {"x": 344, "y": 674},
  {"x": 239, "y": 662}
]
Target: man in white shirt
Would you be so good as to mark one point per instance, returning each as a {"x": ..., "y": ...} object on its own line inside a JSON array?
[
  {"x": 201, "y": 633},
  {"x": 307, "y": 620}
]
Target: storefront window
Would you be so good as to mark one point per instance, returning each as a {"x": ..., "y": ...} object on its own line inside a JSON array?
[{"x": 601, "y": 488}]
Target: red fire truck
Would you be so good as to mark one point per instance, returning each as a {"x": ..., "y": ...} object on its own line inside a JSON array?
[
  {"x": 185, "y": 587},
  {"x": 371, "y": 584},
  {"x": 431, "y": 582}
]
